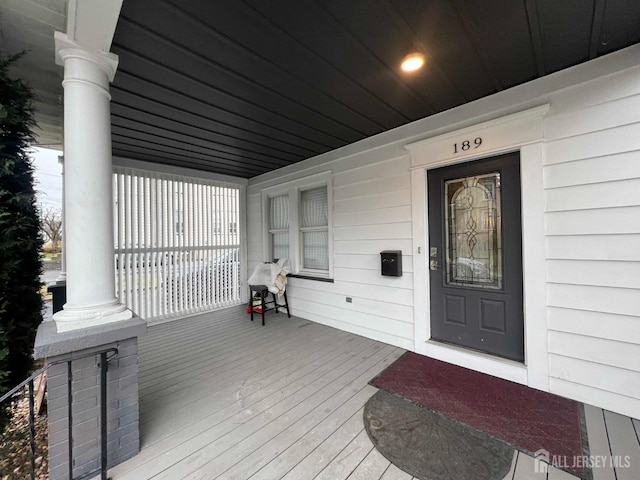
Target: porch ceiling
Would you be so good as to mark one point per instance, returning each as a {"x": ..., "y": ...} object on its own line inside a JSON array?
[
  {"x": 245, "y": 87},
  {"x": 28, "y": 25}
]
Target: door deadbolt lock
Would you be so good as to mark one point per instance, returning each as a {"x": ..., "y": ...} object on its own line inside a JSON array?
[{"x": 433, "y": 265}]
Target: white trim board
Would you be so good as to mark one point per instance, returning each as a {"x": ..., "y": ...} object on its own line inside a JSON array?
[{"x": 522, "y": 131}]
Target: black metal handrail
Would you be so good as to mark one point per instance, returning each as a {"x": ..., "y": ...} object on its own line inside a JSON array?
[{"x": 105, "y": 357}]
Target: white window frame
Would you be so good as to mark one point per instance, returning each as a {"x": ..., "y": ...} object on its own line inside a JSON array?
[
  {"x": 293, "y": 189},
  {"x": 272, "y": 232}
]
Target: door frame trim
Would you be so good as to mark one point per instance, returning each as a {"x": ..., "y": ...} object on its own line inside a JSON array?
[{"x": 521, "y": 132}]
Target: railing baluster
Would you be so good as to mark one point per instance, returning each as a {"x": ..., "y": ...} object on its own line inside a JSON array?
[
  {"x": 70, "y": 415},
  {"x": 103, "y": 415},
  {"x": 175, "y": 242},
  {"x": 32, "y": 429}
]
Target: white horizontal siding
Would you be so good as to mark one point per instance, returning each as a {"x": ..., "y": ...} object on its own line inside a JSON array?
[
  {"x": 596, "y": 144},
  {"x": 382, "y": 324},
  {"x": 592, "y": 221},
  {"x": 620, "y": 381},
  {"x": 254, "y": 227},
  {"x": 371, "y": 213},
  {"x": 371, "y": 246},
  {"x": 623, "y": 301},
  {"x": 595, "y": 247},
  {"x": 609, "y": 353},
  {"x": 352, "y": 327},
  {"x": 355, "y": 172},
  {"x": 380, "y": 307},
  {"x": 372, "y": 277},
  {"x": 399, "y": 296},
  {"x": 380, "y": 232},
  {"x": 619, "y": 193},
  {"x": 622, "y": 166},
  {"x": 623, "y": 328},
  {"x": 377, "y": 186},
  {"x": 368, "y": 261},
  {"x": 591, "y": 177},
  {"x": 373, "y": 217},
  {"x": 373, "y": 201},
  {"x": 612, "y": 114},
  {"x": 595, "y": 273},
  {"x": 595, "y": 396}
]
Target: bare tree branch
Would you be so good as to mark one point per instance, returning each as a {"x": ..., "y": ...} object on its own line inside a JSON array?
[{"x": 51, "y": 224}]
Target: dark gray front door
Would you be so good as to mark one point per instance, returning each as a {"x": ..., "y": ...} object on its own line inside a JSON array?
[{"x": 475, "y": 255}]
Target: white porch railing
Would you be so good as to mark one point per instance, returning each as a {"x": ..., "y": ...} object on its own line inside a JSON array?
[{"x": 177, "y": 243}]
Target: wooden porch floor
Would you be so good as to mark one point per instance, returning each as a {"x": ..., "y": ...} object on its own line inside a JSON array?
[{"x": 222, "y": 397}]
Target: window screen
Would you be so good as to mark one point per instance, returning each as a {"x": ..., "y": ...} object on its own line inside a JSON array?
[
  {"x": 314, "y": 228},
  {"x": 279, "y": 226}
]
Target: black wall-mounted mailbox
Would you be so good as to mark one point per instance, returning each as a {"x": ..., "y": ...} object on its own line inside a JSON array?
[{"x": 391, "y": 261}]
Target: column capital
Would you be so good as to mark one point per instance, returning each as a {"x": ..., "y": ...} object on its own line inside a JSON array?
[{"x": 67, "y": 49}]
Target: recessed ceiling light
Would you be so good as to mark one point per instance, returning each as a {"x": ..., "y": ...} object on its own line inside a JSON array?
[{"x": 412, "y": 62}]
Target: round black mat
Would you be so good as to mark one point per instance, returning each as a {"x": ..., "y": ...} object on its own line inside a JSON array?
[{"x": 431, "y": 446}]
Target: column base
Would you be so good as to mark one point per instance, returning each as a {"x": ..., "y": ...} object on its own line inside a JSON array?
[{"x": 76, "y": 318}]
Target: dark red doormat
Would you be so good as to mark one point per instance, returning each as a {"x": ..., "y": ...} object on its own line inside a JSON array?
[{"x": 527, "y": 419}]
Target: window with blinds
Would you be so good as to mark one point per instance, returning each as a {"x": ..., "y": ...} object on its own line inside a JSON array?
[
  {"x": 298, "y": 226},
  {"x": 314, "y": 229},
  {"x": 279, "y": 226}
]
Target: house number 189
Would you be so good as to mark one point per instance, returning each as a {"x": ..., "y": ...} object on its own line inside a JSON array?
[{"x": 467, "y": 145}]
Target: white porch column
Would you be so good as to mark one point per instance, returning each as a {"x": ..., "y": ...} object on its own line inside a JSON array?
[
  {"x": 88, "y": 216},
  {"x": 62, "y": 277}
]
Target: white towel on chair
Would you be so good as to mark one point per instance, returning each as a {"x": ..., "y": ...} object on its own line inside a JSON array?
[{"x": 272, "y": 275}]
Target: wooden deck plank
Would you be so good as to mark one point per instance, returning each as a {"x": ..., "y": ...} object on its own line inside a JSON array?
[
  {"x": 636, "y": 426},
  {"x": 557, "y": 474},
  {"x": 394, "y": 473},
  {"x": 297, "y": 451},
  {"x": 371, "y": 468},
  {"x": 525, "y": 469},
  {"x": 324, "y": 454},
  {"x": 225, "y": 333},
  {"x": 253, "y": 374},
  {"x": 302, "y": 436},
  {"x": 237, "y": 368},
  {"x": 214, "y": 347},
  {"x": 348, "y": 459},
  {"x": 512, "y": 470},
  {"x": 227, "y": 372},
  {"x": 598, "y": 442},
  {"x": 224, "y": 452},
  {"x": 181, "y": 442},
  {"x": 224, "y": 398},
  {"x": 248, "y": 392},
  {"x": 163, "y": 337},
  {"x": 624, "y": 446},
  {"x": 238, "y": 359}
]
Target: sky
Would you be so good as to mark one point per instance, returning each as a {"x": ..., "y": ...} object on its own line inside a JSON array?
[{"x": 48, "y": 178}]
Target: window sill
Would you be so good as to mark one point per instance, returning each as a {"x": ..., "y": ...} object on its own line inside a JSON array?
[{"x": 310, "y": 277}]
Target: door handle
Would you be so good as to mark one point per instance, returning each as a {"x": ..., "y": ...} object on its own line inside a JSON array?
[{"x": 434, "y": 265}]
